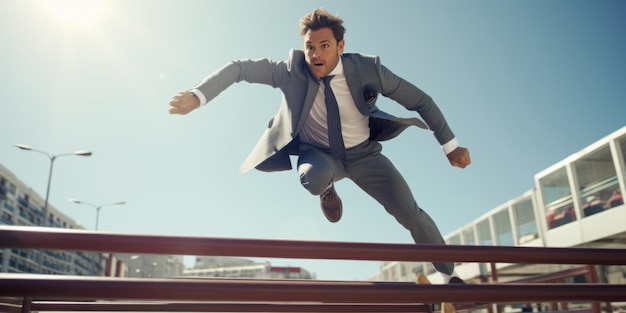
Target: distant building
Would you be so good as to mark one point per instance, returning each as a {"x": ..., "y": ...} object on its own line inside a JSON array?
[
  {"x": 577, "y": 202},
  {"x": 398, "y": 271},
  {"x": 21, "y": 206},
  {"x": 225, "y": 267},
  {"x": 151, "y": 265},
  {"x": 203, "y": 262}
]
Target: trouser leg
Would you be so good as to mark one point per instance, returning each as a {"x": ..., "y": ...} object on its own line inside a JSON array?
[
  {"x": 379, "y": 178},
  {"x": 317, "y": 169}
]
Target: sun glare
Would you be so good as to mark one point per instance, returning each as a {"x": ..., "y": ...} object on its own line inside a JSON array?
[{"x": 75, "y": 12}]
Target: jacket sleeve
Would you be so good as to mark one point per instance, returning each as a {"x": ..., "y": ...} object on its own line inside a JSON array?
[
  {"x": 414, "y": 99},
  {"x": 259, "y": 71}
]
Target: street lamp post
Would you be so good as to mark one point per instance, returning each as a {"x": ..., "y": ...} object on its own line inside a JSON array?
[
  {"x": 44, "y": 210},
  {"x": 97, "y": 207}
]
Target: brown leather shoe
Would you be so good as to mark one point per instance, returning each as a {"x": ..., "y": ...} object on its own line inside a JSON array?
[{"x": 331, "y": 204}]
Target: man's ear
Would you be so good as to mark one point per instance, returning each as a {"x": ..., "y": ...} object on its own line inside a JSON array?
[{"x": 340, "y": 45}]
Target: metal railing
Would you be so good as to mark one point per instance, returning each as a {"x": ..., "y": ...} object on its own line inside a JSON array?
[{"x": 81, "y": 293}]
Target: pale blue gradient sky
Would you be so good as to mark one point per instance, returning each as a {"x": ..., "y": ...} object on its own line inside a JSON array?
[{"x": 523, "y": 84}]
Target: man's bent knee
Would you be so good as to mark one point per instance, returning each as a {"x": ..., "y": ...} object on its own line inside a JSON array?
[{"x": 316, "y": 184}]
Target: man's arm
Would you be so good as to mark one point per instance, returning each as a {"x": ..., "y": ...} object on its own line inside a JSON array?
[
  {"x": 459, "y": 157},
  {"x": 260, "y": 71},
  {"x": 415, "y": 99},
  {"x": 186, "y": 101},
  {"x": 183, "y": 103}
]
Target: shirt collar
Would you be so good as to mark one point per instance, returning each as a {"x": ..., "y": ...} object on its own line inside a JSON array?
[{"x": 338, "y": 70}]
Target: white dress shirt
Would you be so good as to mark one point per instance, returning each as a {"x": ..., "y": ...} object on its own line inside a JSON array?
[{"x": 354, "y": 125}]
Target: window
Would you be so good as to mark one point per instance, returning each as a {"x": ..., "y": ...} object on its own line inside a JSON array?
[
  {"x": 622, "y": 147},
  {"x": 9, "y": 204},
  {"x": 455, "y": 240},
  {"x": 557, "y": 197},
  {"x": 3, "y": 188},
  {"x": 484, "y": 233},
  {"x": 12, "y": 188},
  {"x": 524, "y": 214},
  {"x": 597, "y": 180},
  {"x": 6, "y": 218},
  {"x": 617, "y": 198},
  {"x": 555, "y": 187},
  {"x": 468, "y": 236},
  {"x": 504, "y": 230}
]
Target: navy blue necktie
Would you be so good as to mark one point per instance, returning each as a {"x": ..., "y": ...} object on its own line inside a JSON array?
[{"x": 335, "y": 140}]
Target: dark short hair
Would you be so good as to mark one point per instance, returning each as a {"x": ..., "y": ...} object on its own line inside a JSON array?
[{"x": 320, "y": 18}]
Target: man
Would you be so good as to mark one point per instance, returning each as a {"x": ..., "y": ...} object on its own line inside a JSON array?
[{"x": 331, "y": 145}]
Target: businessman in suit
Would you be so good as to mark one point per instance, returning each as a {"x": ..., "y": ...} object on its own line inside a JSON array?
[{"x": 329, "y": 119}]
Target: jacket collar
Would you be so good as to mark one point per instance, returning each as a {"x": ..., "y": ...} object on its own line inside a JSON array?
[{"x": 354, "y": 83}]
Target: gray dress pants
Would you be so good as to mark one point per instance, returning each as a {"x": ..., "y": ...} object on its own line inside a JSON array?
[{"x": 377, "y": 176}]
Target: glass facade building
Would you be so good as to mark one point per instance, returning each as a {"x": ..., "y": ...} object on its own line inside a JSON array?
[{"x": 576, "y": 202}]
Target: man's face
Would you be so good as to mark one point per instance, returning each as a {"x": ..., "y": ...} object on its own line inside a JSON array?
[{"x": 322, "y": 51}]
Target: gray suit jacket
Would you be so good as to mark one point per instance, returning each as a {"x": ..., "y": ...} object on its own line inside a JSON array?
[{"x": 366, "y": 78}]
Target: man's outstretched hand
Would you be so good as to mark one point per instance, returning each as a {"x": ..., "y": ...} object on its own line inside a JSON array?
[
  {"x": 183, "y": 103},
  {"x": 459, "y": 157}
]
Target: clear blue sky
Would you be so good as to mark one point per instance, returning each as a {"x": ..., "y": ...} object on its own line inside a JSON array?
[{"x": 523, "y": 84}]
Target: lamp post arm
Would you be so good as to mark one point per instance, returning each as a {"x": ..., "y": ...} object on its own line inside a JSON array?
[
  {"x": 97, "y": 207},
  {"x": 101, "y": 206}
]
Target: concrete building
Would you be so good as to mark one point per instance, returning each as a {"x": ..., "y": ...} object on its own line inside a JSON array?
[
  {"x": 20, "y": 205},
  {"x": 225, "y": 267},
  {"x": 151, "y": 265}
]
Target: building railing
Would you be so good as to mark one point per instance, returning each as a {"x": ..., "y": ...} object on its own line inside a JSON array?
[{"x": 75, "y": 293}]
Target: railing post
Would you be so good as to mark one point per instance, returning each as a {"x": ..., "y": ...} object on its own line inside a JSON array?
[
  {"x": 494, "y": 279},
  {"x": 593, "y": 278},
  {"x": 563, "y": 306},
  {"x": 554, "y": 306},
  {"x": 494, "y": 272},
  {"x": 26, "y": 302}
]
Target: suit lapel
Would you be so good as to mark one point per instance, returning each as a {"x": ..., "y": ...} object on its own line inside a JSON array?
[
  {"x": 313, "y": 86},
  {"x": 354, "y": 84}
]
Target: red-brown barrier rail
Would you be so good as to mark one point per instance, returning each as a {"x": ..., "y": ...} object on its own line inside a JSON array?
[
  {"x": 258, "y": 295},
  {"x": 242, "y": 290},
  {"x": 65, "y": 239},
  {"x": 225, "y": 307}
]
